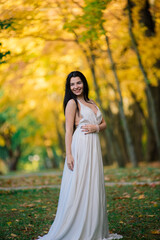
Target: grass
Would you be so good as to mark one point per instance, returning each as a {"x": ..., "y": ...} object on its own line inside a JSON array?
[{"x": 132, "y": 212}]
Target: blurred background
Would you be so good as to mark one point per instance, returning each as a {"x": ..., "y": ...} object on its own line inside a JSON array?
[{"x": 114, "y": 43}]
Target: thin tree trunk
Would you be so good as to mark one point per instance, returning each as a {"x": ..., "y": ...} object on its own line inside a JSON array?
[
  {"x": 52, "y": 156},
  {"x": 92, "y": 68},
  {"x": 60, "y": 141},
  {"x": 130, "y": 147},
  {"x": 152, "y": 110},
  {"x": 13, "y": 155},
  {"x": 112, "y": 143},
  {"x": 60, "y": 136},
  {"x": 109, "y": 138},
  {"x": 148, "y": 124},
  {"x": 117, "y": 144},
  {"x": 14, "y": 158}
]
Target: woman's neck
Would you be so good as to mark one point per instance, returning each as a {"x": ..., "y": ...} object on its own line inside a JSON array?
[{"x": 80, "y": 98}]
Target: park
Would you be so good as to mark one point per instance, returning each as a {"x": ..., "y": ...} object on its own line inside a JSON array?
[{"x": 115, "y": 44}]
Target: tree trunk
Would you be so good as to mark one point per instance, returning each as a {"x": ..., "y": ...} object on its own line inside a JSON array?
[
  {"x": 150, "y": 146},
  {"x": 60, "y": 141},
  {"x": 146, "y": 19},
  {"x": 135, "y": 121},
  {"x": 117, "y": 144},
  {"x": 113, "y": 146},
  {"x": 52, "y": 156},
  {"x": 14, "y": 158},
  {"x": 151, "y": 105},
  {"x": 130, "y": 147}
]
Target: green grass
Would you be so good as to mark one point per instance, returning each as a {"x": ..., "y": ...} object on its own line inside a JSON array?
[{"x": 132, "y": 211}]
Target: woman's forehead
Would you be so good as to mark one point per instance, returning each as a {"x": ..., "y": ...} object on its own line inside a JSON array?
[{"x": 75, "y": 79}]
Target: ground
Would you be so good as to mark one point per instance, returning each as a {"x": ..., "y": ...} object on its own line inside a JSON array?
[{"x": 133, "y": 209}]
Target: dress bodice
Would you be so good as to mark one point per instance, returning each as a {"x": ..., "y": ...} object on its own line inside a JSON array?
[{"x": 88, "y": 115}]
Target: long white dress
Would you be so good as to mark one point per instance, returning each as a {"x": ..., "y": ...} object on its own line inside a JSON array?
[{"x": 81, "y": 212}]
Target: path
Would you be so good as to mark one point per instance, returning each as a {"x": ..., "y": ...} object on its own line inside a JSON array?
[
  {"x": 58, "y": 185},
  {"x": 53, "y": 173},
  {"x": 58, "y": 173}
]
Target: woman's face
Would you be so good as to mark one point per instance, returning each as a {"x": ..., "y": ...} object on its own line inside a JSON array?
[{"x": 76, "y": 86}]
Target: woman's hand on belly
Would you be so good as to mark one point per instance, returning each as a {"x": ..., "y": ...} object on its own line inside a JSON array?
[{"x": 90, "y": 128}]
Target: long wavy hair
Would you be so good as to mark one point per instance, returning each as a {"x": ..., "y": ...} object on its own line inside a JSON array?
[{"x": 69, "y": 94}]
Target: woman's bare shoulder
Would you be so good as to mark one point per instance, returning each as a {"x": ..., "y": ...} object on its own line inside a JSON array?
[
  {"x": 71, "y": 106},
  {"x": 71, "y": 103}
]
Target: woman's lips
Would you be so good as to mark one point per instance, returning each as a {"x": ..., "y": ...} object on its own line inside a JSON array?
[{"x": 77, "y": 91}]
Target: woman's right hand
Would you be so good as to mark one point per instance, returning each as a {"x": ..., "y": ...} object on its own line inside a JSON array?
[{"x": 70, "y": 162}]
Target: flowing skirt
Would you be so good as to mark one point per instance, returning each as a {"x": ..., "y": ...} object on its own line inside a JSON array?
[{"x": 81, "y": 212}]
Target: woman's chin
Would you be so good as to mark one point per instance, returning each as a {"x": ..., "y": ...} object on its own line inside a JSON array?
[{"x": 78, "y": 94}]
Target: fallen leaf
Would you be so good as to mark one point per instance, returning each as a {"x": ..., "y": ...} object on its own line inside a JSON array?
[
  {"x": 141, "y": 196},
  {"x": 157, "y": 232},
  {"x": 9, "y": 223},
  {"x": 27, "y": 205},
  {"x": 13, "y": 235},
  {"x": 107, "y": 179},
  {"x": 30, "y": 225},
  {"x": 121, "y": 222},
  {"x": 39, "y": 200}
]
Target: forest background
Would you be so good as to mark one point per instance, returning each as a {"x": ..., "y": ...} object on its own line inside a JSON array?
[{"x": 115, "y": 43}]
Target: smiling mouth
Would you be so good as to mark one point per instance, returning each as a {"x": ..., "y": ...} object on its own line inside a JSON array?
[{"x": 78, "y": 90}]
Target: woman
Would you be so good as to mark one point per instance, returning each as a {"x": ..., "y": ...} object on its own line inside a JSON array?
[{"x": 81, "y": 212}]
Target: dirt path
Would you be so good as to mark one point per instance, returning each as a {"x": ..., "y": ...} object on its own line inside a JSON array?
[
  {"x": 58, "y": 185},
  {"x": 54, "y": 173}
]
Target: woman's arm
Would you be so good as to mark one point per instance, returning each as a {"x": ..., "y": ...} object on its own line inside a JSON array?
[
  {"x": 70, "y": 112},
  {"x": 102, "y": 125}
]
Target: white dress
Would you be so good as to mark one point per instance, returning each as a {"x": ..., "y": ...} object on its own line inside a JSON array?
[{"x": 81, "y": 212}]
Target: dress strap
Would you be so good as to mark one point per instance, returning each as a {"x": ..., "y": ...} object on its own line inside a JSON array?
[
  {"x": 94, "y": 104},
  {"x": 80, "y": 102},
  {"x": 86, "y": 105}
]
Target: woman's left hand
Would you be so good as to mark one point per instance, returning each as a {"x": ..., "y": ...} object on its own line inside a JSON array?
[{"x": 89, "y": 128}]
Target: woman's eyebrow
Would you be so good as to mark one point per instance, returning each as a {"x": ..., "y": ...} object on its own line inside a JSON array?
[{"x": 74, "y": 83}]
